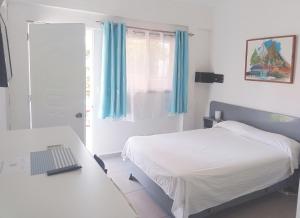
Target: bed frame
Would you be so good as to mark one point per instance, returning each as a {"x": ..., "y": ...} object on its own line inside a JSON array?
[{"x": 268, "y": 121}]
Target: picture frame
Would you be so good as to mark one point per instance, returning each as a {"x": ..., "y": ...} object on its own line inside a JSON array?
[{"x": 271, "y": 59}]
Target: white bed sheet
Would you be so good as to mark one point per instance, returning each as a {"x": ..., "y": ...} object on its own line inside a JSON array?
[{"x": 203, "y": 168}]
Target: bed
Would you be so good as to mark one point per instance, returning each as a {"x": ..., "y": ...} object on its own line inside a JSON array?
[{"x": 199, "y": 172}]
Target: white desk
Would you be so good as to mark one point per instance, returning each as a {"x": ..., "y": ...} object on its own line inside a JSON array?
[{"x": 85, "y": 193}]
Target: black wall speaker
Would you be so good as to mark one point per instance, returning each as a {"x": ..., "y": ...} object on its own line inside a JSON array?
[{"x": 208, "y": 77}]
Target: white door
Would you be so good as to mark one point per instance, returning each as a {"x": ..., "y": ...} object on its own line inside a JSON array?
[{"x": 57, "y": 76}]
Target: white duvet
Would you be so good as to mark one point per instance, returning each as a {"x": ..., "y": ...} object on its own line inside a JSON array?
[{"x": 203, "y": 168}]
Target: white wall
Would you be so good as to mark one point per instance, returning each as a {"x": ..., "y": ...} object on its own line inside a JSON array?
[
  {"x": 3, "y": 109},
  {"x": 200, "y": 60},
  {"x": 197, "y": 19},
  {"x": 236, "y": 21},
  {"x": 188, "y": 12}
]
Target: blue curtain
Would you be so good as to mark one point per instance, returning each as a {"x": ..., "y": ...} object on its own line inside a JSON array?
[
  {"x": 113, "y": 86},
  {"x": 179, "y": 99}
]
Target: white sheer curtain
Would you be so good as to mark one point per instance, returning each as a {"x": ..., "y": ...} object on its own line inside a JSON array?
[{"x": 150, "y": 60}]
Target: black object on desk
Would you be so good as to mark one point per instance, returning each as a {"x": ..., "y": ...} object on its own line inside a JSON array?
[{"x": 100, "y": 163}]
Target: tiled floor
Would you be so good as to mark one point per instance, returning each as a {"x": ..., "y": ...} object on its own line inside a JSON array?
[{"x": 276, "y": 205}]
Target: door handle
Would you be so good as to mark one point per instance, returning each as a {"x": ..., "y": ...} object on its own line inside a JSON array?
[{"x": 78, "y": 115}]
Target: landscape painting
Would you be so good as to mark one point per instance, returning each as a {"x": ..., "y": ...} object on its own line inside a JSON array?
[{"x": 270, "y": 59}]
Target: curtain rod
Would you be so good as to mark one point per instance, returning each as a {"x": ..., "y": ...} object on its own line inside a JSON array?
[{"x": 151, "y": 30}]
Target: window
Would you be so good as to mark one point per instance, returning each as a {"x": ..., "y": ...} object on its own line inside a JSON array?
[{"x": 150, "y": 60}]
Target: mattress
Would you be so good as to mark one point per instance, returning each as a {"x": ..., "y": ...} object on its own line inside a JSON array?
[{"x": 203, "y": 168}]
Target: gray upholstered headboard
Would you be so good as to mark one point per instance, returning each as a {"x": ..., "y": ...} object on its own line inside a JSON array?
[{"x": 268, "y": 121}]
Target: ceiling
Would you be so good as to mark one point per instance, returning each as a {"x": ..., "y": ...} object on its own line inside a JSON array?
[{"x": 210, "y": 3}]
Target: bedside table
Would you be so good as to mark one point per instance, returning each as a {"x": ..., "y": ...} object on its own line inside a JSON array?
[{"x": 209, "y": 122}]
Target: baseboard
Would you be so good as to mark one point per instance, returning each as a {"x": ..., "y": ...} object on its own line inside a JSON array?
[{"x": 110, "y": 155}]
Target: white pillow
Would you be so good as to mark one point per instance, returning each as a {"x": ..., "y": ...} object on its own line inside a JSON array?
[
  {"x": 285, "y": 144},
  {"x": 236, "y": 127}
]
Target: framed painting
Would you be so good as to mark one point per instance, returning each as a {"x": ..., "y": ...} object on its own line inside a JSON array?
[{"x": 271, "y": 59}]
